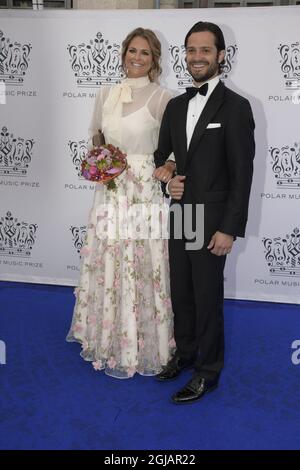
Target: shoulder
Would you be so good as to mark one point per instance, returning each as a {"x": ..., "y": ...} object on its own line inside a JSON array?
[
  {"x": 177, "y": 99},
  {"x": 161, "y": 90},
  {"x": 235, "y": 98},
  {"x": 238, "y": 107}
]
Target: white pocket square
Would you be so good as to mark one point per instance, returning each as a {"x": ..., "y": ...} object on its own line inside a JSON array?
[{"x": 213, "y": 125}]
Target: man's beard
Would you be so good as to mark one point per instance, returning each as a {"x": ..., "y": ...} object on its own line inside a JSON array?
[{"x": 211, "y": 72}]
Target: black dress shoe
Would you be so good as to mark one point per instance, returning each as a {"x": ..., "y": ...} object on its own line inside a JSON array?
[
  {"x": 173, "y": 369},
  {"x": 194, "y": 390}
]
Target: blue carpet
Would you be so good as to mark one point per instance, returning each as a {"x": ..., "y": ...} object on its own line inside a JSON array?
[{"x": 51, "y": 399}]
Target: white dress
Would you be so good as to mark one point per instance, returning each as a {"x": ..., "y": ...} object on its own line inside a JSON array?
[{"x": 123, "y": 316}]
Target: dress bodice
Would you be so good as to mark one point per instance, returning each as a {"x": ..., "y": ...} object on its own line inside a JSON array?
[{"x": 136, "y": 131}]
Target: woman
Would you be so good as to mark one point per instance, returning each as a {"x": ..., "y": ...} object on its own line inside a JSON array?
[{"x": 123, "y": 317}]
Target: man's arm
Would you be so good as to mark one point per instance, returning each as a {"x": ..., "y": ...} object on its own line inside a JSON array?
[
  {"x": 164, "y": 148},
  {"x": 164, "y": 169},
  {"x": 240, "y": 151}
]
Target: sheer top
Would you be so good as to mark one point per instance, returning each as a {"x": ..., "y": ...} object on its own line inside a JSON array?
[{"x": 135, "y": 128}]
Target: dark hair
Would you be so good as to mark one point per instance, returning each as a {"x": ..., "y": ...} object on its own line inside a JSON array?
[
  {"x": 154, "y": 45},
  {"x": 212, "y": 28},
  {"x": 206, "y": 26}
]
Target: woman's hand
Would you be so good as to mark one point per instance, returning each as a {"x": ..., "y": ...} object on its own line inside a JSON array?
[{"x": 165, "y": 172}]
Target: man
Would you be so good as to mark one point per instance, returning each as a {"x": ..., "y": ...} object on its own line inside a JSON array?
[{"x": 210, "y": 129}]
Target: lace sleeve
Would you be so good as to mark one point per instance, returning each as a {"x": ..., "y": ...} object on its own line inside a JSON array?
[
  {"x": 96, "y": 121},
  {"x": 158, "y": 103},
  {"x": 157, "y": 108},
  {"x": 164, "y": 98}
]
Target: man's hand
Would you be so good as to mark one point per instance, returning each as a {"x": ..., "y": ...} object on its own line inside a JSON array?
[
  {"x": 176, "y": 187},
  {"x": 220, "y": 244},
  {"x": 165, "y": 172}
]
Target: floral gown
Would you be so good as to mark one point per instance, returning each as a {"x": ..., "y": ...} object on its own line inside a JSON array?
[{"x": 123, "y": 316}]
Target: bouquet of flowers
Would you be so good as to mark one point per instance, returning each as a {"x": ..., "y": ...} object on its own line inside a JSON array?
[{"x": 103, "y": 164}]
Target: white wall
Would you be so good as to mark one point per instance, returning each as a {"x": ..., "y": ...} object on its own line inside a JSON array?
[{"x": 47, "y": 109}]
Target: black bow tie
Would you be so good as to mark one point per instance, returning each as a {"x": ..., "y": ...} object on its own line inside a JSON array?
[{"x": 192, "y": 91}]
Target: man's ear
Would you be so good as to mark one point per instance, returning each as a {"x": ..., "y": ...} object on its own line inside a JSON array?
[{"x": 221, "y": 56}]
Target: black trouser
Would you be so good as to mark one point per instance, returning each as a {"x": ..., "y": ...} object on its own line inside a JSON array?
[{"x": 197, "y": 294}]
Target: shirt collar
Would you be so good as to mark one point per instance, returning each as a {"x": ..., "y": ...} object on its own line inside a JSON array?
[{"x": 212, "y": 83}]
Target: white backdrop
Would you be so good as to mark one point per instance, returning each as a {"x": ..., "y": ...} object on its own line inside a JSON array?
[{"x": 52, "y": 64}]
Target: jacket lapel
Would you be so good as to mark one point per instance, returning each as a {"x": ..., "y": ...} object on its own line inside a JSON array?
[{"x": 213, "y": 104}]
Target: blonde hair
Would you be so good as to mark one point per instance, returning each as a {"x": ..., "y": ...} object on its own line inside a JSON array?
[{"x": 155, "y": 48}]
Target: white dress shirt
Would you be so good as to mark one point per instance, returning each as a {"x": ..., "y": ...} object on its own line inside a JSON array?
[{"x": 195, "y": 108}]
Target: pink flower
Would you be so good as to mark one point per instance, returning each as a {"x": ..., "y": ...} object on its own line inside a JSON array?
[
  {"x": 124, "y": 204},
  {"x": 92, "y": 319},
  {"x": 85, "y": 251},
  {"x": 93, "y": 170},
  {"x": 167, "y": 302},
  {"x": 156, "y": 286},
  {"x": 100, "y": 280},
  {"x": 105, "y": 152},
  {"x": 124, "y": 342},
  {"x": 97, "y": 365},
  {"x": 140, "y": 251},
  {"x": 130, "y": 175},
  {"x": 140, "y": 284},
  {"x": 106, "y": 324},
  {"x": 172, "y": 343},
  {"x": 131, "y": 371},
  {"x": 111, "y": 362},
  {"x": 113, "y": 171},
  {"x": 165, "y": 251},
  {"x": 116, "y": 283},
  {"x": 76, "y": 292},
  {"x": 77, "y": 328},
  {"x": 140, "y": 187},
  {"x": 141, "y": 343}
]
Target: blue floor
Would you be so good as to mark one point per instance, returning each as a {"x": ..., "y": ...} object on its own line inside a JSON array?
[{"x": 51, "y": 399}]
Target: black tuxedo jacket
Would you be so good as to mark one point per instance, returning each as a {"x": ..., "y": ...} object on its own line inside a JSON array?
[{"x": 219, "y": 162}]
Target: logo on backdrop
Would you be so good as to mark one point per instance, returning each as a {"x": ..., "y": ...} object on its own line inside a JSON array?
[
  {"x": 179, "y": 66},
  {"x": 96, "y": 63},
  {"x": 290, "y": 65},
  {"x": 79, "y": 236},
  {"x": 78, "y": 151},
  {"x": 15, "y": 154},
  {"x": 285, "y": 163},
  {"x": 14, "y": 60},
  {"x": 283, "y": 254},
  {"x": 16, "y": 238}
]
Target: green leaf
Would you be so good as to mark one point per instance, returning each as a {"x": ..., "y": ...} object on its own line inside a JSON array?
[{"x": 111, "y": 185}]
